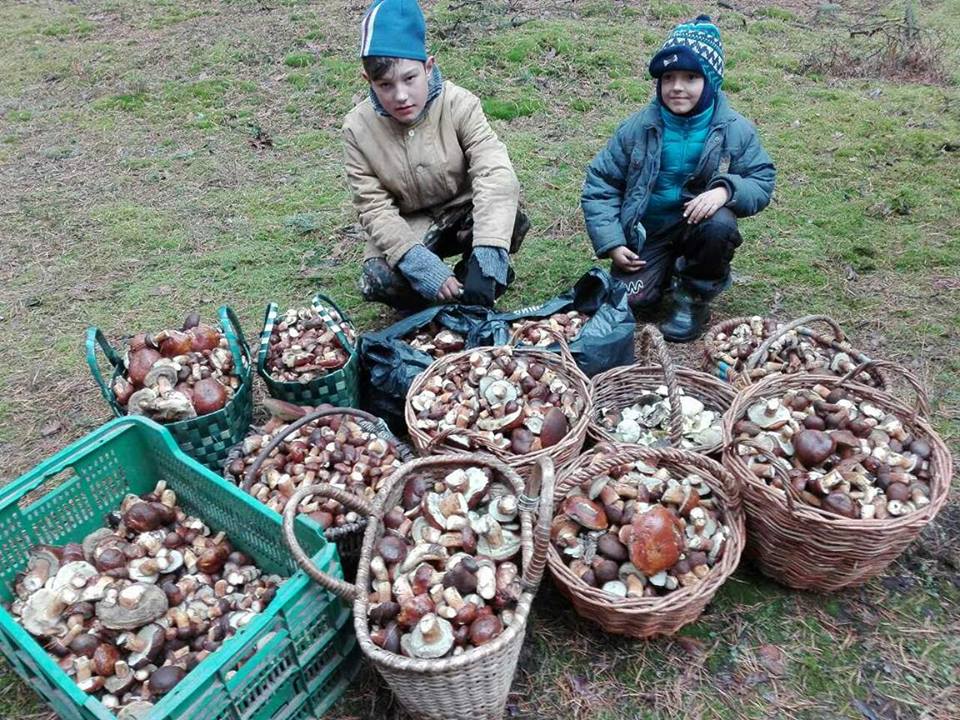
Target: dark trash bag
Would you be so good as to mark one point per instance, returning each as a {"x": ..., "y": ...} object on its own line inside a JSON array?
[
  {"x": 390, "y": 364},
  {"x": 606, "y": 339}
]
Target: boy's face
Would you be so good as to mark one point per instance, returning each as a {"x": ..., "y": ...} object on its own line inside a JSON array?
[
  {"x": 680, "y": 90},
  {"x": 402, "y": 90}
]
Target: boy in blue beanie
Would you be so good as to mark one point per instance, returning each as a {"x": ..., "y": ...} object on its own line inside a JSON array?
[
  {"x": 429, "y": 177},
  {"x": 662, "y": 199}
]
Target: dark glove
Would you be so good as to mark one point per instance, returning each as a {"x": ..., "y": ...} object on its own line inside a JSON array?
[{"x": 478, "y": 289}]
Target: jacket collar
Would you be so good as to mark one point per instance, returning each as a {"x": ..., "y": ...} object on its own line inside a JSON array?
[{"x": 722, "y": 113}]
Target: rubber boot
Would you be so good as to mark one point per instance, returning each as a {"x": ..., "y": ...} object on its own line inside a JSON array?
[{"x": 687, "y": 317}]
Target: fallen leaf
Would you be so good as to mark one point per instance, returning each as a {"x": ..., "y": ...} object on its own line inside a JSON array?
[
  {"x": 51, "y": 428},
  {"x": 772, "y": 659}
]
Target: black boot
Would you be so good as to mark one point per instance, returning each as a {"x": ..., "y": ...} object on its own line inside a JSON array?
[{"x": 687, "y": 317}]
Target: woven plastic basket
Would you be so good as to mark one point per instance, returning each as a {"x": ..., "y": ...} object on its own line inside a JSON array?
[
  {"x": 476, "y": 683},
  {"x": 805, "y": 547},
  {"x": 340, "y": 387},
  {"x": 742, "y": 372},
  {"x": 562, "y": 454},
  {"x": 349, "y": 536},
  {"x": 647, "y": 617},
  {"x": 292, "y": 661},
  {"x": 620, "y": 387},
  {"x": 207, "y": 438}
]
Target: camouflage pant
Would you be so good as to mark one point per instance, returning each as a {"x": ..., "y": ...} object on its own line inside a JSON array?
[{"x": 451, "y": 234}]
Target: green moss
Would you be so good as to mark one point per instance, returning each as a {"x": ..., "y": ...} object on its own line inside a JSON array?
[{"x": 298, "y": 60}]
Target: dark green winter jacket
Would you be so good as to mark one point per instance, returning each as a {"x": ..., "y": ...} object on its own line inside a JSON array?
[{"x": 622, "y": 175}]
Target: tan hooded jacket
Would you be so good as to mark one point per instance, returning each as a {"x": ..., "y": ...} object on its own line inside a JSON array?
[{"x": 403, "y": 176}]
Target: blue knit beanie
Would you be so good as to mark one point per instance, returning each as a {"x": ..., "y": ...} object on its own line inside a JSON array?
[
  {"x": 693, "y": 46},
  {"x": 394, "y": 28}
]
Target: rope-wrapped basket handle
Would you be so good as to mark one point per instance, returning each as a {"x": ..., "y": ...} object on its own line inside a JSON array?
[{"x": 651, "y": 338}]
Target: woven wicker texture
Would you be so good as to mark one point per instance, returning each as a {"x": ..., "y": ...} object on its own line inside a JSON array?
[
  {"x": 476, "y": 683},
  {"x": 563, "y": 454},
  {"x": 743, "y": 372},
  {"x": 349, "y": 536},
  {"x": 620, "y": 387},
  {"x": 646, "y": 617},
  {"x": 805, "y": 547},
  {"x": 340, "y": 387},
  {"x": 207, "y": 438}
]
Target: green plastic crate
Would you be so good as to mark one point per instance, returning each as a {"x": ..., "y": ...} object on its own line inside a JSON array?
[{"x": 308, "y": 652}]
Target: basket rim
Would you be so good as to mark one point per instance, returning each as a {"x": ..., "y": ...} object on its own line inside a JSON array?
[
  {"x": 633, "y": 375},
  {"x": 733, "y": 516},
  {"x": 757, "y": 493},
  {"x": 573, "y": 439},
  {"x": 349, "y": 366},
  {"x": 513, "y": 632}
]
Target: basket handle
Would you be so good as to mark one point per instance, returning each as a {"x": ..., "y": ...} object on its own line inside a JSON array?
[
  {"x": 650, "y": 336},
  {"x": 269, "y": 320},
  {"x": 761, "y": 351},
  {"x": 318, "y": 301},
  {"x": 922, "y": 404},
  {"x": 347, "y": 499},
  {"x": 561, "y": 341},
  {"x": 538, "y": 494},
  {"x": 375, "y": 425},
  {"x": 437, "y": 440},
  {"x": 96, "y": 338},
  {"x": 235, "y": 339}
]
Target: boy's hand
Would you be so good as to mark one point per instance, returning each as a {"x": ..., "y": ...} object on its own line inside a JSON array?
[
  {"x": 450, "y": 290},
  {"x": 704, "y": 205},
  {"x": 626, "y": 259}
]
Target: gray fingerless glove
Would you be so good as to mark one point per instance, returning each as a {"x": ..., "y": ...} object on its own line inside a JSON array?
[
  {"x": 424, "y": 270},
  {"x": 494, "y": 262}
]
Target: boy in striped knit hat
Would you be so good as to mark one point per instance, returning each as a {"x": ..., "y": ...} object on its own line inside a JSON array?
[
  {"x": 662, "y": 199},
  {"x": 429, "y": 177}
]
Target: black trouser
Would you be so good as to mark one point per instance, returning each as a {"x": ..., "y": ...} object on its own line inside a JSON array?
[
  {"x": 450, "y": 235},
  {"x": 695, "y": 257}
]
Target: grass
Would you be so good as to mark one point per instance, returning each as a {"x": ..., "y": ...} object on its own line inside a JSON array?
[{"x": 132, "y": 195}]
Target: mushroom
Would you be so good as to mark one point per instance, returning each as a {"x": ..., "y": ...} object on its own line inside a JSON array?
[
  {"x": 432, "y": 637},
  {"x": 162, "y": 376},
  {"x": 41, "y": 613},
  {"x": 656, "y": 540},
  {"x": 141, "y": 401},
  {"x": 137, "y": 710},
  {"x": 135, "y": 606},
  {"x": 42, "y": 564},
  {"x": 768, "y": 414}
]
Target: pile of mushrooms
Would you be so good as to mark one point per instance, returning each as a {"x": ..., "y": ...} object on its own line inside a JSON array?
[
  {"x": 133, "y": 608},
  {"x": 333, "y": 449},
  {"x": 303, "y": 346},
  {"x": 444, "y": 577},
  {"x": 843, "y": 454},
  {"x": 519, "y": 405},
  {"x": 647, "y": 421},
  {"x": 640, "y": 531},
  {"x": 791, "y": 353},
  {"x": 177, "y": 375},
  {"x": 542, "y": 332},
  {"x": 436, "y": 340}
]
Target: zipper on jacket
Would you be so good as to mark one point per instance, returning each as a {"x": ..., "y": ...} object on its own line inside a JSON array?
[{"x": 707, "y": 149}]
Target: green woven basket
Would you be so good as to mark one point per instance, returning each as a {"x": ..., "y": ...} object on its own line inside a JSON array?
[
  {"x": 207, "y": 438},
  {"x": 340, "y": 387},
  {"x": 291, "y": 662}
]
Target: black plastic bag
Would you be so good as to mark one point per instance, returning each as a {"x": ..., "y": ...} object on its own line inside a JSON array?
[
  {"x": 606, "y": 339},
  {"x": 390, "y": 363}
]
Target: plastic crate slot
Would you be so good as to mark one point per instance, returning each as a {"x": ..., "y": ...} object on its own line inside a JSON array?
[{"x": 320, "y": 640}]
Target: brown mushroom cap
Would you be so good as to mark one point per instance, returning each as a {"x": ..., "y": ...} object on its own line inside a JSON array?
[
  {"x": 656, "y": 540},
  {"x": 137, "y": 605},
  {"x": 164, "y": 679}
]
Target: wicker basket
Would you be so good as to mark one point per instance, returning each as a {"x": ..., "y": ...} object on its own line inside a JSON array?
[
  {"x": 340, "y": 387},
  {"x": 646, "y": 617},
  {"x": 476, "y": 683},
  {"x": 563, "y": 454},
  {"x": 207, "y": 438},
  {"x": 618, "y": 387},
  {"x": 741, "y": 373},
  {"x": 805, "y": 547},
  {"x": 348, "y": 537}
]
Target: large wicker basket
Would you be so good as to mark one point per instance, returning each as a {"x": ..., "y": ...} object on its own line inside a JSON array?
[
  {"x": 805, "y": 547},
  {"x": 743, "y": 372},
  {"x": 476, "y": 683},
  {"x": 618, "y": 388},
  {"x": 563, "y": 454},
  {"x": 647, "y": 617},
  {"x": 348, "y": 537}
]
